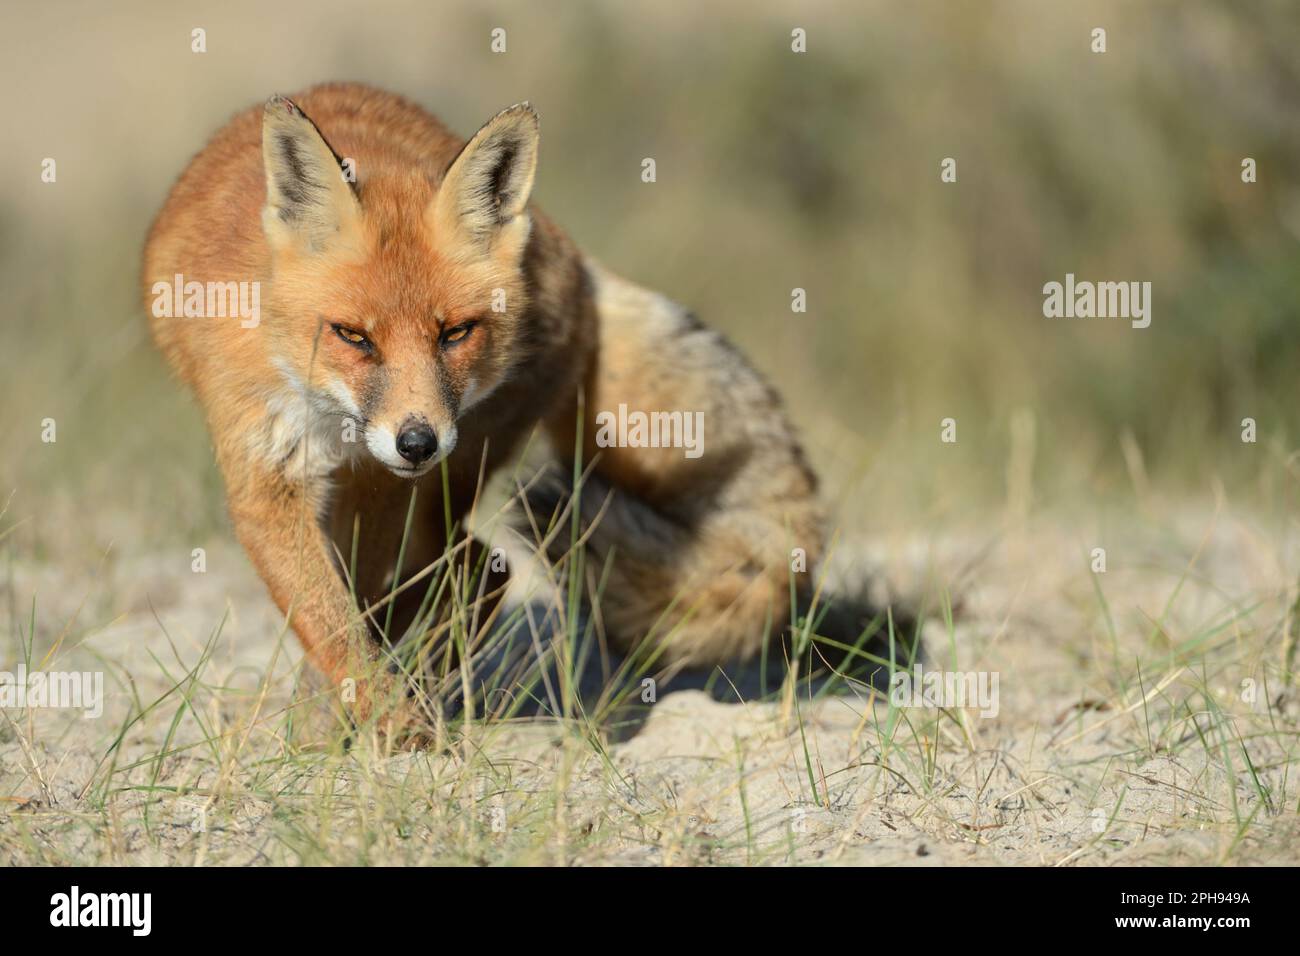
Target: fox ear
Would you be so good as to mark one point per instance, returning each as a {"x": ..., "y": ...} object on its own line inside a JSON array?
[
  {"x": 487, "y": 185},
  {"x": 308, "y": 202}
]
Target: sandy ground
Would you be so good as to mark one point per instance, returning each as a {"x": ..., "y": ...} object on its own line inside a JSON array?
[{"x": 1141, "y": 746}]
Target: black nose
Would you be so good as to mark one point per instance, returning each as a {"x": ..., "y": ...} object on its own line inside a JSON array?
[{"x": 417, "y": 443}]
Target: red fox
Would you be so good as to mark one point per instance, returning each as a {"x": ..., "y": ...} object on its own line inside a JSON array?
[{"x": 408, "y": 291}]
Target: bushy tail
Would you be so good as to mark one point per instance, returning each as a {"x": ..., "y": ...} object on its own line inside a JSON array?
[{"x": 696, "y": 597}]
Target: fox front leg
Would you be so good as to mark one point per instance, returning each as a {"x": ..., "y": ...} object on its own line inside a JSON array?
[{"x": 275, "y": 518}]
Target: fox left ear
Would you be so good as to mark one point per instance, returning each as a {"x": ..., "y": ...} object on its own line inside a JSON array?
[
  {"x": 308, "y": 202},
  {"x": 487, "y": 185}
]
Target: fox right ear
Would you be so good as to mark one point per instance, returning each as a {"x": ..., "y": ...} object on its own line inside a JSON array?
[
  {"x": 486, "y": 188},
  {"x": 308, "y": 202}
]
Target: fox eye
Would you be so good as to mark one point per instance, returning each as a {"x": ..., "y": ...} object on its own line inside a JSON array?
[
  {"x": 352, "y": 337},
  {"x": 458, "y": 333}
]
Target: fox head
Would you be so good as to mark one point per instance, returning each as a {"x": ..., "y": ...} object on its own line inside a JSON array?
[{"x": 395, "y": 301}]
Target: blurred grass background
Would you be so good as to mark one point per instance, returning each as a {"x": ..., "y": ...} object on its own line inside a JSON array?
[{"x": 775, "y": 171}]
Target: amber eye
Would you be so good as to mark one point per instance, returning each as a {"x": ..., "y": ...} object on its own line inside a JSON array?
[
  {"x": 458, "y": 333},
  {"x": 352, "y": 337}
]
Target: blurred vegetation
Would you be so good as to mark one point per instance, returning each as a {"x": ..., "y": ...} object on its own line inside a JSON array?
[{"x": 775, "y": 171}]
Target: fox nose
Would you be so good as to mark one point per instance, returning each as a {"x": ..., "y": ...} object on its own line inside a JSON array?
[{"x": 416, "y": 443}]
